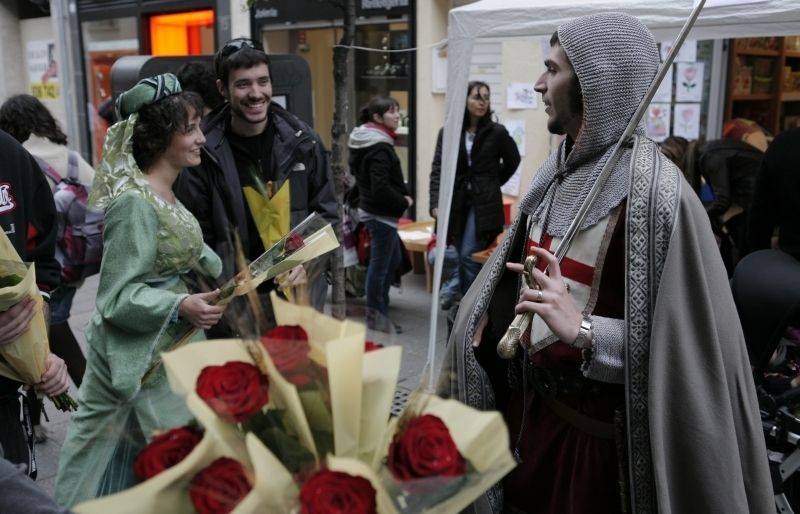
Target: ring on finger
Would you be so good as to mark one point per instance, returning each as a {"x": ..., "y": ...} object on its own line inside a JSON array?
[{"x": 540, "y": 295}]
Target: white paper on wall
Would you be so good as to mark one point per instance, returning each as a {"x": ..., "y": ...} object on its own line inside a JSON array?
[
  {"x": 516, "y": 129},
  {"x": 521, "y": 96},
  {"x": 689, "y": 82},
  {"x": 687, "y": 121},
  {"x": 664, "y": 91},
  {"x": 657, "y": 120},
  {"x": 511, "y": 188},
  {"x": 687, "y": 53}
]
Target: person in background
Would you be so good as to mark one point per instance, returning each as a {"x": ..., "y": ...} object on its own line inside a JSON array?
[
  {"x": 199, "y": 77},
  {"x": 31, "y": 123},
  {"x": 730, "y": 167},
  {"x": 774, "y": 205},
  {"x": 634, "y": 362},
  {"x": 487, "y": 158},
  {"x": 21, "y": 495},
  {"x": 28, "y": 218},
  {"x": 383, "y": 198},
  {"x": 150, "y": 243},
  {"x": 251, "y": 143}
]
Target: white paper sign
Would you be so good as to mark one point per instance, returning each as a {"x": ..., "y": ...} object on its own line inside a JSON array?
[
  {"x": 516, "y": 129},
  {"x": 687, "y": 121},
  {"x": 656, "y": 121},
  {"x": 664, "y": 92},
  {"x": 521, "y": 96},
  {"x": 511, "y": 188},
  {"x": 43, "y": 70},
  {"x": 687, "y": 53},
  {"x": 689, "y": 82}
]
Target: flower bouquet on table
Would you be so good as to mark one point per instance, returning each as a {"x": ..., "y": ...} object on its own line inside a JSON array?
[{"x": 25, "y": 360}]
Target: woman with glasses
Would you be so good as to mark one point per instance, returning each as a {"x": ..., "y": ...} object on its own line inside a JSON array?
[
  {"x": 151, "y": 242},
  {"x": 487, "y": 157},
  {"x": 383, "y": 198}
]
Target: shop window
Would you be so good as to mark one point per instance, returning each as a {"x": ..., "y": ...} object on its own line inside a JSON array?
[{"x": 188, "y": 33}]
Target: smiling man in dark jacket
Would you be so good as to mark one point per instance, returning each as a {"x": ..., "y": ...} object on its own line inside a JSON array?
[{"x": 251, "y": 141}]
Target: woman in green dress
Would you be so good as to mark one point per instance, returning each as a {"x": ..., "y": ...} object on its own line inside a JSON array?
[{"x": 150, "y": 243}]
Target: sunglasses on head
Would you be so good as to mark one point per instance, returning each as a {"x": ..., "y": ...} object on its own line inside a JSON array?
[{"x": 234, "y": 45}]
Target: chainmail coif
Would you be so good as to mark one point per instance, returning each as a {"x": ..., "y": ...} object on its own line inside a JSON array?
[{"x": 615, "y": 58}]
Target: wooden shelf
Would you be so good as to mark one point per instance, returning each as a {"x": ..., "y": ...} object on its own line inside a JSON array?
[
  {"x": 770, "y": 108},
  {"x": 751, "y": 98},
  {"x": 758, "y": 51}
]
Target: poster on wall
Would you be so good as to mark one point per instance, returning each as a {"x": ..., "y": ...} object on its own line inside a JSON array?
[
  {"x": 511, "y": 187},
  {"x": 521, "y": 96},
  {"x": 687, "y": 53},
  {"x": 664, "y": 91},
  {"x": 689, "y": 82},
  {"x": 516, "y": 129},
  {"x": 43, "y": 70},
  {"x": 657, "y": 120},
  {"x": 687, "y": 121}
]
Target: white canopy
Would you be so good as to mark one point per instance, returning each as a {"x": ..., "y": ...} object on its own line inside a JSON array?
[{"x": 510, "y": 18}]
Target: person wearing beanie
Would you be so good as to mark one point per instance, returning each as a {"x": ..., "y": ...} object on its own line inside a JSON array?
[{"x": 631, "y": 390}]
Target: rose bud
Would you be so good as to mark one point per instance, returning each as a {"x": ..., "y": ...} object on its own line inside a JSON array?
[
  {"x": 287, "y": 346},
  {"x": 335, "y": 492},
  {"x": 219, "y": 487},
  {"x": 235, "y": 390},
  {"x": 164, "y": 451},
  {"x": 424, "y": 449}
]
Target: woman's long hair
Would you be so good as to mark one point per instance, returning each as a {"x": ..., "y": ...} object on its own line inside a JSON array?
[
  {"x": 486, "y": 118},
  {"x": 23, "y": 115}
]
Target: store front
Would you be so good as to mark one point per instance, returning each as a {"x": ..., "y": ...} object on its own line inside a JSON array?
[{"x": 310, "y": 28}]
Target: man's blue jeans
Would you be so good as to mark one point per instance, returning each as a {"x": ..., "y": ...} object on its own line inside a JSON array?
[{"x": 384, "y": 259}]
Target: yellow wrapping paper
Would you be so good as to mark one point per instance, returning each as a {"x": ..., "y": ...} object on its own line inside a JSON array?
[
  {"x": 270, "y": 215},
  {"x": 481, "y": 437},
  {"x": 25, "y": 358},
  {"x": 380, "y": 373},
  {"x": 274, "y": 490},
  {"x": 184, "y": 365},
  {"x": 169, "y": 490},
  {"x": 339, "y": 347}
]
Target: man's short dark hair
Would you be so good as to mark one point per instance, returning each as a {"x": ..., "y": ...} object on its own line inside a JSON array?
[
  {"x": 159, "y": 122},
  {"x": 199, "y": 77},
  {"x": 237, "y": 54}
]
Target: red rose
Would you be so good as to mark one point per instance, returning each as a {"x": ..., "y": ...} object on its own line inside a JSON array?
[
  {"x": 370, "y": 346},
  {"x": 288, "y": 347},
  {"x": 236, "y": 390},
  {"x": 164, "y": 451},
  {"x": 293, "y": 242},
  {"x": 334, "y": 492},
  {"x": 219, "y": 487},
  {"x": 424, "y": 449}
]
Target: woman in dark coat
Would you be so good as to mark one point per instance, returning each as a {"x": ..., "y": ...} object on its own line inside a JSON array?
[
  {"x": 487, "y": 157},
  {"x": 383, "y": 198}
]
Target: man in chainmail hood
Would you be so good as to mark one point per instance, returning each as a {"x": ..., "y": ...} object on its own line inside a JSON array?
[{"x": 631, "y": 391}]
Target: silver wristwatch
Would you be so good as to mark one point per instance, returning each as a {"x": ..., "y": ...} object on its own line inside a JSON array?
[{"x": 584, "y": 333}]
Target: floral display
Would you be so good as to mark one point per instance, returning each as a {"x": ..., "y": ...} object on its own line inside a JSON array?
[
  {"x": 218, "y": 488},
  {"x": 299, "y": 422},
  {"x": 165, "y": 450},
  {"x": 235, "y": 390},
  {"x": 336, "y": 492},
  {"x": 288, "y": 347},
  {"x": 425, "y": 448}
]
